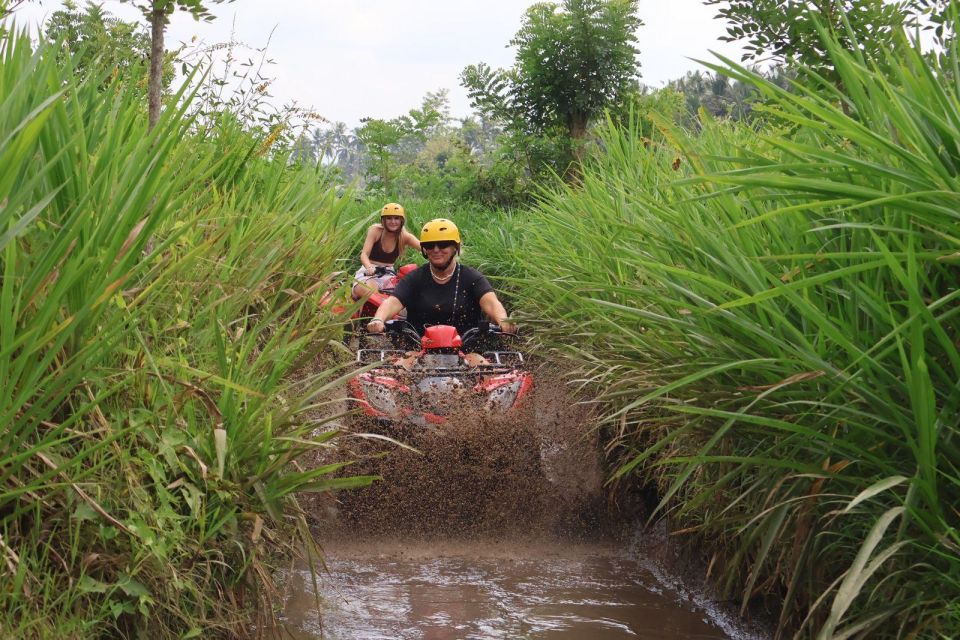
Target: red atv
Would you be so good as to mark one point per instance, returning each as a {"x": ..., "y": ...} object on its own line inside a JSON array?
[
  {"x": 371, "y": 303},
  {"x": 444, "y": 374}
]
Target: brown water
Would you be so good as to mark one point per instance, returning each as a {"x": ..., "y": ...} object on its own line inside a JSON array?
[
  {"x": 493, "y": 531},
  {"x": 483, "y": 590}
]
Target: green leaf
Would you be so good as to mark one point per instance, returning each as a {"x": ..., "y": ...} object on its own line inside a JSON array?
[
  {"x": 876, "y": 488},
  {"x": 86, "y": 584},
  {"x": 131, "y": 586}
]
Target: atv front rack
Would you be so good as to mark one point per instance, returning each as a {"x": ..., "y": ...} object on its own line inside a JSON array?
[
  {"x": 370, "y": 356},
  {"x": 498, "y": 360},
  {"x": 504, "y": 358}
]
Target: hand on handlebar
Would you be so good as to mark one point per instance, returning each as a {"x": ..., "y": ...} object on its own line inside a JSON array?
[{"x": 506, "y": 326}]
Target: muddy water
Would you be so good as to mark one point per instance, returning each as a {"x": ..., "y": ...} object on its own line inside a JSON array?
[
  {"x": 492, "y": 530},
  {"x": 490, "y": 591}
]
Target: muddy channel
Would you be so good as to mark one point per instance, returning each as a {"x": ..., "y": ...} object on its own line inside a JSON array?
[
  {"x": 449, "y": 590},
  {"x": 494, "y": 530}
]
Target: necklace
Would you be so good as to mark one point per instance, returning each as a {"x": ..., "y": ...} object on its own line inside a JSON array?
[
  {"x": 456, "y": 290},
  {"x": 441, "y": 279}
]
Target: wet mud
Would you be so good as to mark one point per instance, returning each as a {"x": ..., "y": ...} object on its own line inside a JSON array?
[
  {"x": 488, "y": 528},
  {"x": 481, "y": 590}
]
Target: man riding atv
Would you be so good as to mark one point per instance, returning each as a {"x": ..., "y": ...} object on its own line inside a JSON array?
[
  {"x": 444, "y": 301},
  {"x": 442, "y": 291}
]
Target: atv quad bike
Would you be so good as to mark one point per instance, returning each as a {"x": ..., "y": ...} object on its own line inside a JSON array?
[
  {"x": 338, "y": 302},
  {"x": 443, "y": 375}
]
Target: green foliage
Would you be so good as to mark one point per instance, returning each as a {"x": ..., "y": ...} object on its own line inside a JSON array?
[
  {"x": 940, "y": 17},
  {"x": 379, "y": 136},
  {"x": 166, "y": 8},
  {"x": 573, "y": 60},
  {"x": 770, "y": 316},
  {"x": 425, "y": 155},
  {"x": 716, "y": 94},
  {"x": 159, "y": 296},
  {"x": 786, "y": 29},
  {"x": 97, "y": 41},
  {"x": 700, "y": 95},
  {"x": 384, "y": 139}
]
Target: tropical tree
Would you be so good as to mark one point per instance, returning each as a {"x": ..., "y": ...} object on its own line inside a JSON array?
[
  {"x": 379, "y": 137},
  {"x": 721, "y": 97},
  {"x": 574, "y": 59},
  {"x": 157, "y": 13},
  {"x": 480, "y": 134},
  {"x": 402, "y": 136},
  {"x": 92, "y": 37}
]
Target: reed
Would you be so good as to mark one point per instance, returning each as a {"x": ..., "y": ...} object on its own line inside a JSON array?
[
  {"x": 161, "y": 359},
  {"x": 770, "y": 315}
]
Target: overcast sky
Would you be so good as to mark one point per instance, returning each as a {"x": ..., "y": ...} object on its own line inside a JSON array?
[{"x": 348, "y": 59}]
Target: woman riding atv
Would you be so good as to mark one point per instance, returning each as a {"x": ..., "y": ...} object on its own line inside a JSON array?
[
  {"x": 382, "y": 247},
  {"x": 442, "y": 291}
]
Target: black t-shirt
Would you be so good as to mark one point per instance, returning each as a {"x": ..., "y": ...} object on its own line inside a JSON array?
[{"x": 429, "y": 303}]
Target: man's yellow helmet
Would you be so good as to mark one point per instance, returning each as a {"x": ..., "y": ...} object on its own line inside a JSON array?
[
  {"x": 439, "y": 230},
  {"x": 393, "y": 209}
]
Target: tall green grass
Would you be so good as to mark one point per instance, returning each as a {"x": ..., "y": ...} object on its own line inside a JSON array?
[
  {"x": 771, "y": 315},
  {"x": 159, "y": 337}
]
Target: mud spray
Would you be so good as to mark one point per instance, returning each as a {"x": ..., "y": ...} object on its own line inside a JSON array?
[{"x": 493, "y": 529}]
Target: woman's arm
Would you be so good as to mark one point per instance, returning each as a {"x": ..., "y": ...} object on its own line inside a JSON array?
[
  {"x": 368, "y": 247},
  {"x": 492, "y": 306},
  {"x": 411, "y": 241},
  {"x": 388, "y": 308}
]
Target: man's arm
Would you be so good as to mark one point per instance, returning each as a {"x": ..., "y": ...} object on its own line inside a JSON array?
[{"x": 492, "y": 306}]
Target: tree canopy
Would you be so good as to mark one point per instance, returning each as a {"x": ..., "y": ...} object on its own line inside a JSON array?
[
  {"x": 96, "y": 38},
  {"x": 574, "y": 59},
  {"x": 786, "y": 31}
]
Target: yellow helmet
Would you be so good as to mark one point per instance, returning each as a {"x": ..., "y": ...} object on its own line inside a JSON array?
[
  {"x": 393, "y": 209},
  {"x": 439, "y": 230}
]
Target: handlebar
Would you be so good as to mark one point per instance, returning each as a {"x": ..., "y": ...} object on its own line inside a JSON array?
[
  {"x": 404, "y": 335},
  {"x": 402, "y": 328},
  {"x": 483, "y": 328}
]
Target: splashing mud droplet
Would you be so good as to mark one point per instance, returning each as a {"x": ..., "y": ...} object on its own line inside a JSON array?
[{"x": 493, "y": 528}]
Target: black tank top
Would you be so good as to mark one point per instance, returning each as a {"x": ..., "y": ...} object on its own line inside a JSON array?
[{"x": 377, "y": 254}]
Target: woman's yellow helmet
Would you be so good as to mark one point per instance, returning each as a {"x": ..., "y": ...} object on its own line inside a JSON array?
[
  {"x": 393, "y": 209},
  {"x": 440, "y": 230}
]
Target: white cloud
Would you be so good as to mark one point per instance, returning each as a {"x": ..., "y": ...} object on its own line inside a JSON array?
[{"x": 353, "y": 58}]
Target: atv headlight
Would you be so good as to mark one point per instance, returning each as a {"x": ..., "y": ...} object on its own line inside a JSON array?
[
  {"x": 381, "y": 398},
  {"x": 502, "y": 398}
]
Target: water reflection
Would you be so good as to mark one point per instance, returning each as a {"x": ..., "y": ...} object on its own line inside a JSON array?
[{"x": 493, "y": 591}]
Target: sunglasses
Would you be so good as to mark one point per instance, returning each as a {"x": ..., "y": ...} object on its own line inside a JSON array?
[{"x": 441, "y": 244}]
